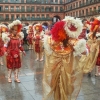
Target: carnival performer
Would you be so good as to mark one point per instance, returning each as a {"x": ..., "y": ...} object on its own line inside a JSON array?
[
  {"x": 1, "y": 48},
  {"x": 4, "y": 31},
  {"x": 12, "y": 50},
  {"x": 30, "y": 36},
  {"x": 84, "y": 30},
  {"x": 94, "y": 45},
  {"x": 63, "y": 70},
  {"x": 38, "y": 43}
]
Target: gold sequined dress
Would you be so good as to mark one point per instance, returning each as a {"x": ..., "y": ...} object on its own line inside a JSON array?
[
  {"x": 63, "y": 73},
  {"x": 91, "y": 59}
]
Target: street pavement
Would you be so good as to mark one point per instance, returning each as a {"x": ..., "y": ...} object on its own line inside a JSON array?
[{"x": 30, "y": 87}]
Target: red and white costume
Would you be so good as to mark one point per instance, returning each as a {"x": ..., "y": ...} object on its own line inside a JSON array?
[
  {"x": 38, "y": 36},
  {"x": 30, "y": 36},
  {"x": 12, "y": 50},
  {"x": 1, "y": 50},
  {"x": 1, "y": 47}
]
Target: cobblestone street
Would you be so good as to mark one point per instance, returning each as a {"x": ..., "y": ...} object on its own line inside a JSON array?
[{"x": 30, "y": 87}]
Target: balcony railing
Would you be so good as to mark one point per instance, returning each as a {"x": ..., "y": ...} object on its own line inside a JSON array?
[
  {"x": 31, "y": 11},
  {"x": 31, "y": 2},
  {"x": 91, "y": 13},
  {"x": 70, "y": 1},
  {"x": 84, "y": 5},
  {"x": 26, "y": 19}
]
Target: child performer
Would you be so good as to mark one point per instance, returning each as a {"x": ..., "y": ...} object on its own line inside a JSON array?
[
  {"x": 12, "y": 50},
  {"x": 38, "y": 44},
  {"x": 1, "y": 48},
  {"x": 4, "y": 31},
  {"x": 30, "y": 36}
]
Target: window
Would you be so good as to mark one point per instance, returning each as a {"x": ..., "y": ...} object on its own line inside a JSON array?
[
  {"x": 42, "y": 9},
  {"x": 56, "y": 8},
  {"x": 17, "y": 8},
  {"x": 12, "y": 17},
  {"x": 1, "y": 17},
  {"x": 32, "y": 8},
  {"x": 7, "y": 17},
  {"x": 12, "y": 8},
  {"x": 38, "y": 9},
  {"x": 38, "y": 16},
  {"x": 23, "y": 17},
  {"x": 33, "y": 16},
  {"x": 86, "y": 11},
  {"x": 28, "y": 17},
  {"x": 28, "y": 8},
  {"x": 6, "y": 8},
  {"x": 47, "y": 16},
  {"x": 0, "y": 8},
  {"x": 43, "y": 16}
]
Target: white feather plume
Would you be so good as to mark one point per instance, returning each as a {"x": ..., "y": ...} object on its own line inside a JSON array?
[
  {"x": 98, "y": 18},
  {"x": 35, "y": 26},
  {"x": 21, "y": 35},
  {"x": 5, "y": 37},
  {"x": 77, "y": 24},
  {"x": 46, "y": 44},
  {"x": 16, "y": 22},
  {"x": 97, "y": 34},
  {"x": 2, "y": 25},
  {"x": 80, "y": 47}
]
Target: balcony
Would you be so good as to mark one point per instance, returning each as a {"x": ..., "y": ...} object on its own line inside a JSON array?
[
  {"x": 91, "y": 13},
  {"x": 70, "y": 1},
  {"x": 26, "y": 19},
  {"x": 43, "y": 2},
  {"x": 30, "y": 2},
  {"x": 84, "y": 5},
  {"x": 32, "y": 11}
]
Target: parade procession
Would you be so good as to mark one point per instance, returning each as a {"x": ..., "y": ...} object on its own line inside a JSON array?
[{"x": 69, "y": 49}]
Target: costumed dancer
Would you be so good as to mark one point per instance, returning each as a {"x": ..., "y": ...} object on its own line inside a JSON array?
[
  {"x": 84, "y": 30},
  {"x": 1, "y": 48},
  {"x": 63, "y": 70},
  {"x": 12, "y": 50},
  {"x": 30, "y": 36},
  {"x": 94, "y": 45},
  {"x": 4, "y": 31},
  {"x": 38, "y": 43},
  {"x": 21, "y": 34}
]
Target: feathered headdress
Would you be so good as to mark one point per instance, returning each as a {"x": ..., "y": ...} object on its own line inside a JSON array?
[
  {"x": 73, "y": 26},
  {"x": 4, "y": 28},
  {"x": 37, "y": 27},
  {"x": 58, "y": 32},
  {"x": 95, "y": 25},
  {"x": 30, "y": 26},
  {"x": 68, "y": 27},
  {"x": 16, "y": 23}
]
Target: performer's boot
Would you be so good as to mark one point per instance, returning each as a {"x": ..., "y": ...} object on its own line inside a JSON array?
[
  {"x": 97, "y": 71},
  {"x": 9, "y": 75},
  {"x": 1, "y": 62},
  {"x": 16, "y": 73},
  {"x": 37, "y": 56},
  {"x": 29, "y": 47},
  {"x": 41, "y": 56}
]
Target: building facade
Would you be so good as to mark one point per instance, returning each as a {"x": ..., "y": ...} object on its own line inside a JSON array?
[
  {"x": 31, "y": 10},
  {"x": 45, "y": 10},
  {"x": 82, "y": 8}
]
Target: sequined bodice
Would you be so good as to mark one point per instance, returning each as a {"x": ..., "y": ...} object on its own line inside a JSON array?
[{"x": 14, "y": 44}]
